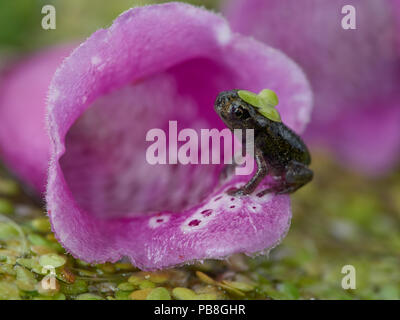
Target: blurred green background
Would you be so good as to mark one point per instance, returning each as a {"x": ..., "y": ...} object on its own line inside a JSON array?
[
  {"x": 20, "y": 21},
  {"x": 341, "y": 218}
]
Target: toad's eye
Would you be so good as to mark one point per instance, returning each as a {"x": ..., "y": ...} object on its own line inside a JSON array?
[{"x": 241, "y": 113}]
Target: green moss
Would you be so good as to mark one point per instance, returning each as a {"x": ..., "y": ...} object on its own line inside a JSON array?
[{"x": 336, "y": 222}]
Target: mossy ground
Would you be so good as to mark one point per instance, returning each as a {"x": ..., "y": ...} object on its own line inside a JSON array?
[{"x": 339, "y": 219}]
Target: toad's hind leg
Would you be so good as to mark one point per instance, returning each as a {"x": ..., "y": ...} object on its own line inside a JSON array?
[
  {"x": 260, "y": 174},
  {"x": 296, "y": 175}
]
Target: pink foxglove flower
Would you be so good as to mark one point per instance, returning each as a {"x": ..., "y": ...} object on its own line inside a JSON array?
[
  {"x": 156, "y": 64},
  {"x": 24, "y": 143},
  {"x": 354, "y": 73}
]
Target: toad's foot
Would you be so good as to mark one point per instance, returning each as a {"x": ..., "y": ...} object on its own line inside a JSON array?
[{"x": 236, "y": 192}]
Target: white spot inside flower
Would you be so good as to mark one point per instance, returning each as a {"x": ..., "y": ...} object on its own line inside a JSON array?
[
  {"x": 95, "y": 60},
  {"x": 233, "y": 204},
  {"x": 255, "y": 208},
  {"x": 199, "y": 219},
  {"x": 262, "y": 200},
  {"x": 224, "y": 34},
  {"x": 156, "y": 221},
  {"x": 225, "y": 203}
]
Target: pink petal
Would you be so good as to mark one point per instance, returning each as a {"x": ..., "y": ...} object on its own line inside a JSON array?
[
  {"x": 348, "y": 69},
  {"x": 154, "y": 64},
  {"x": 24, "y": 143},
  {"x": 367, "y": 149}
]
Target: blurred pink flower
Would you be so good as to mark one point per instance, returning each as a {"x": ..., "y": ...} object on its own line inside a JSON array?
[
  {"x": 24, "y": 143},
  {"x": 155, "y": 64},
  {"x": 354, "y": 74}
]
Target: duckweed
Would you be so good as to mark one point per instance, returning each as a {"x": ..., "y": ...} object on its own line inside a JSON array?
[
  {"x": 239, "y": 285},
  {"x": 184, "y": 294},
  {"x": 75, "y": 288},
  {"x": 52, "y": 259},
  {"x": 333, "y": 225},
  {"x": 144, "y": 284},
  {"x": 140, "y": 294},
  {"x": 126, "y": 286},
  {"x": 122, "y": 295},
  {"x": 25, "y": 280},
  {"x": 89, "y": 296},
  {"x": 159, "y": 293}
]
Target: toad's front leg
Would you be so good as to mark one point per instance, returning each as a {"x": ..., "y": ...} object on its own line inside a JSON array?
[{"x": 249, "y": 187}]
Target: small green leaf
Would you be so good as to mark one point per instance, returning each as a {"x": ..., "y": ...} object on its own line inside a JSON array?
[
  {"x": 8, "y": 291},
  {"x": 134, "y": 280},
  {"x": 8, "y": 231},
  {"x": 78, "y": 287},
  {"x": 184, "y": 294},
  {"x": 7, "y": 269},
  {"x": 159, "y": 294},
  {"x": 89, "y": 296},
  {"x": 38, "y": 240},
  {"x": 239, "y": 285},
  {"x": 52, "y": 259},
  {"x": 31, "y": 264},
  {"x": 269, "y": 97},
  {"x": 265, "y": 102},
  {"x": 144, "y": 284},
  {"x": 122, "y": 295},
  {"x": 270, "y": 113},
  {"x": 126, "y": 286},
  {"x": 250, "y": 98},
  {"x": 25, "y": 279},
  {"x": 59, "y": 296},
  {"x": 140, "y": 294}
]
